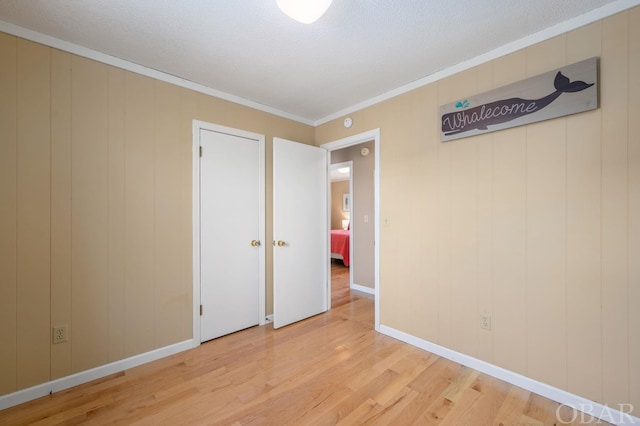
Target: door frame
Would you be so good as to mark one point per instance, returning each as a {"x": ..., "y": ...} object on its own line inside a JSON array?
[
  {"x": 371, "y": 135},
  {"x": 197, "y": 127},
  {"x": 338, "y": 165}
]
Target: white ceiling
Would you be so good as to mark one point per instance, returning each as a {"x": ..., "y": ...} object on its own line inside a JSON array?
[{"x": 356, "y": 53}]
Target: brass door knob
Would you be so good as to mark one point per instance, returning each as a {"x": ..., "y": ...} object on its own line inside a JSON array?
[
  {"x": 255, "y": 243},
  {"x": 280, "y": 243}
]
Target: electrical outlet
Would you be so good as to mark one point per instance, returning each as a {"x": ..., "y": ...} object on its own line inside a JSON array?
[
  {"x": 485, "y": 322},
  {"x": 59, "y": 334}
]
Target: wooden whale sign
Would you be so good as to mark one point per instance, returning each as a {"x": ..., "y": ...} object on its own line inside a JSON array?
[{"x": 557, "y": 93}]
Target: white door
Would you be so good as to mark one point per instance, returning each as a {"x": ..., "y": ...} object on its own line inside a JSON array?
[
  {"x": 230, "y": 199},
  {"x": 300, "y": 252}
]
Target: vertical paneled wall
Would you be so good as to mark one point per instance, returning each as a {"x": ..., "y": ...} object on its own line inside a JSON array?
[
  {"x": 116, "y": 222},
  {"x": 89, "y": 214},
  {"x": 633, "y": 176},
  {"x": 139, "y": 200},
  {"x": 538, "y": 226},
  {"x": 33, "y": 171},
  {"x": 614, "y": 159},
  {"x": 61, "y": 206},
  {"x": 95, "y": 209},
  {"x": 168, "y": 226},
  {"x": 8, "y": 211}
]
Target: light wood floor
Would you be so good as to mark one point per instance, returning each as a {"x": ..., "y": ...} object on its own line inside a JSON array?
[
  {"x": 340, "y": 291},
  {"x": 330, "y": 369}
]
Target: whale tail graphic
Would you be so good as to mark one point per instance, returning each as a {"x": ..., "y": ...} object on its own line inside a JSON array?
[{"x": 562, "y": 84}]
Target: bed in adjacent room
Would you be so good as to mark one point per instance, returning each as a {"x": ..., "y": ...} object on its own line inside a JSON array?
[{"x": 340, "y": 245}]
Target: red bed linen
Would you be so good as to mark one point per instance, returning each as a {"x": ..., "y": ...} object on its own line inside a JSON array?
[{"x": 340, "y": 243}]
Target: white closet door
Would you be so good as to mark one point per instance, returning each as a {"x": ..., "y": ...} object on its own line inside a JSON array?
[
  {"x": 300, "y": 253},
  {"x": 229, "y": 222}
]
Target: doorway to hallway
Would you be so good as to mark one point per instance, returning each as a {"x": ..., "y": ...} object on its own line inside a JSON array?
[{"x": 364, "y": 146}]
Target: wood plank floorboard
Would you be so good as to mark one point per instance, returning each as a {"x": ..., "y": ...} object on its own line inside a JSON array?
[{"x": 331, "y": 369}]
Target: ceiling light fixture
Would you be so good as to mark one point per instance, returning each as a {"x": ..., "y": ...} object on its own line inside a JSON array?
[{"x": 305, "y": 11}]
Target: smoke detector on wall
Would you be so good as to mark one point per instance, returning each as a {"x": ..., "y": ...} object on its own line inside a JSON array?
[{"x": 364, "y": 152}]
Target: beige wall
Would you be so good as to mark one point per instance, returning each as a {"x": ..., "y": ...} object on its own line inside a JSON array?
[
  {"x": 337, "y": 189},
  {"x": 362, "y": 205},
  {"x": 538, "y": 226},
  {"x": 95, "y": 209}
]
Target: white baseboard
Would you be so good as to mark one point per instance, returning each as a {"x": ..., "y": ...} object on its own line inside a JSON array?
[
  {"x": 603, "y": 412},
  {"x": 76, "y": 379},
  {"x": 362, "y": 288}
]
